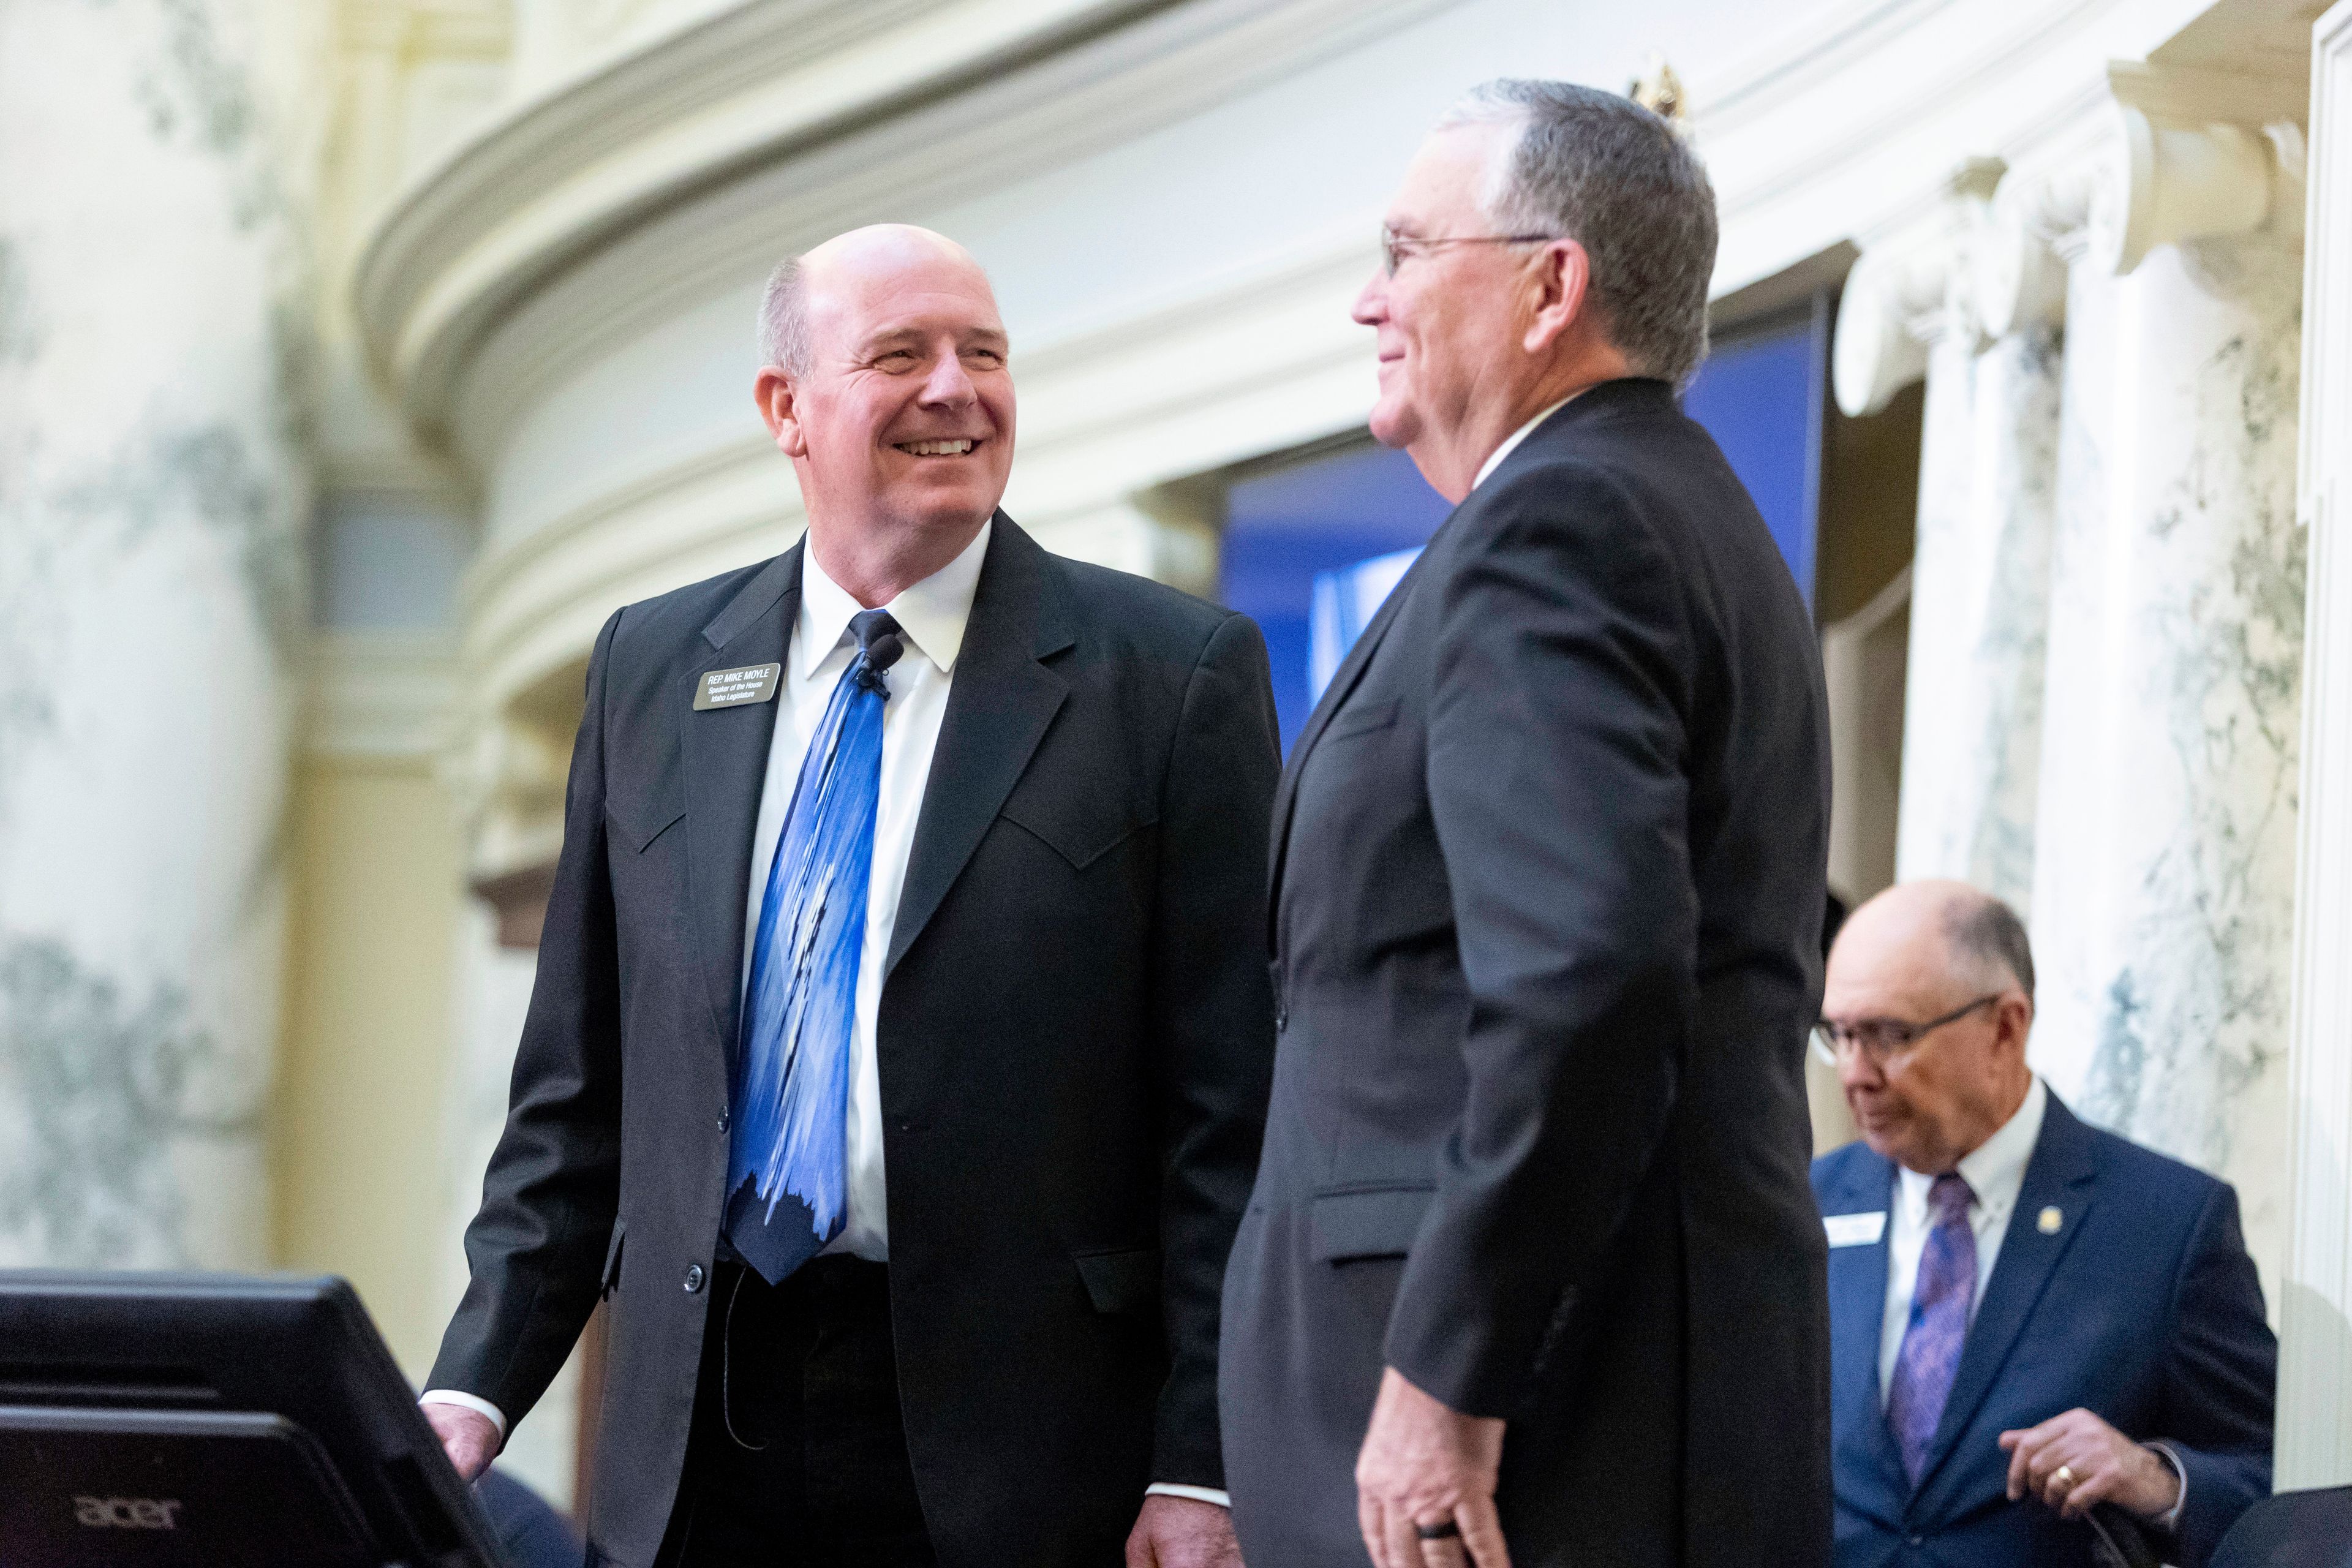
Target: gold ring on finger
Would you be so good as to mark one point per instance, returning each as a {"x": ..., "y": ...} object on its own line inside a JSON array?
[{"x": 2063, "y": 1476}]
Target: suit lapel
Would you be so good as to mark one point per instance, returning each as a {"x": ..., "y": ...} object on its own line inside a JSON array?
[
  {"x": 1858, "y": 1309},
  {"x": 725, "y": 752},
  {"x": 999, "y": 706},
  {"x": 1343, "y": 681},
  {"x": 2062, "y": 1169}
]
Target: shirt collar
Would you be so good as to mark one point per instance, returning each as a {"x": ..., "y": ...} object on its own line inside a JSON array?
[
  {"x": 932, "y": 614},
  {"x": 1518, "y": 436},
  {"x": 1995, "y": 1168}
]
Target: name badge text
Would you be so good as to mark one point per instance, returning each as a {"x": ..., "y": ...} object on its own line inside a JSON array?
[{"x": 733, "y": 687}]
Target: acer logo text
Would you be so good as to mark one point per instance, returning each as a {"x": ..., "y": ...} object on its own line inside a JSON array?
[{"x": 127, "y": 1512}]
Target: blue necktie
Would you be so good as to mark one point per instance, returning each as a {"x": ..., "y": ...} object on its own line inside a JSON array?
[
  {"x": 788, "y": 1170},
  {"x": 1930, "y": 1357}
]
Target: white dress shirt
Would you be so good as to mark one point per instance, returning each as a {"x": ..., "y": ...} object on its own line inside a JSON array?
[
  {"x": 1495, "y": 459},
  {"x": 934, "y": 614},
  {"x": 1995, "y": 1171}
]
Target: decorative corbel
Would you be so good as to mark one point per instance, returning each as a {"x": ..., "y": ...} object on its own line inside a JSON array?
[
  {"x": 1907, "y": 292},
  {"x": 2194, "y": 155},
  {"x": 2035, "y": 226}
]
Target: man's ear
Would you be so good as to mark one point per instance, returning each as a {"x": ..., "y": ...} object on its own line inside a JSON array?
[
  {"x": 1561, "y": 283},
  {"x": 2014, "y": 1011},
  {"x": 778, "y": 398}
]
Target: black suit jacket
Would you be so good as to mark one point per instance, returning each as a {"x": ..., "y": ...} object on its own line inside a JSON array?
[
  {"x": 1549, "y": 883},
  {"x": 1073, "y": 1040},
  {"x": 2137, "y": 1303}
]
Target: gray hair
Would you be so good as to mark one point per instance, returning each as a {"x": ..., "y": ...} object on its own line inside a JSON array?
[
  {"x": 783, "y": 331},
  {"x": 1602, "y": 170},
  {"x": 1987, "y": 935}
]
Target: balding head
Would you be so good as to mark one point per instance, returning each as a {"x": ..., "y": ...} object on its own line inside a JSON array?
[
  {"x": 885, "y": 382},
  {"x": 1917, "y": 953},
  {"x": 878, "y": 249},
  {"x": 1966, "y": 935}
]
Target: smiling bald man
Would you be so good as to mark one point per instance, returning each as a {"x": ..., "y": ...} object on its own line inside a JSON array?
[{"x": 900, "y": 1046}]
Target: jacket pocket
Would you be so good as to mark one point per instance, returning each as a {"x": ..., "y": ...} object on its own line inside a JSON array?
[
  {"x": 637, "y": 835},
  {"x": 1126, "y": 1280},
  {"x": 1080, "y": 830},
  {"x": 1367, "y": 1222},
  {"x": 611, "y": 1275}
]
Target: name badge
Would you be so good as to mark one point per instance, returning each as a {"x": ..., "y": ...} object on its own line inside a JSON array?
[
  {"x": 1854, "y": 1230},
  {"x": 733, "y": 687}
]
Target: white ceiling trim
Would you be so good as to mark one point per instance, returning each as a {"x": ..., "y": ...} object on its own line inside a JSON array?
[{"x": 588, "y": 214}]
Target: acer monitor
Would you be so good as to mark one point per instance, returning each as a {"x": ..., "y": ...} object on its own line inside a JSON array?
[{"x": 214, "y": 1421}]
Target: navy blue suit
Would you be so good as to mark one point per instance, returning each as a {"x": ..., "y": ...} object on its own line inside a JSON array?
[{"x": 2141, "y": 1307}]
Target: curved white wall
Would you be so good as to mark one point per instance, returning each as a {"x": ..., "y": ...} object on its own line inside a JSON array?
[{"x": 1178, "y": 298}]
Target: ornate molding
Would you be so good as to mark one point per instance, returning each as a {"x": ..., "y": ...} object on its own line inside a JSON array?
[
  {"x": 2029, "y": 233},
  {"x": 2153, "y": 162},
  {"x": 1908, "y": 291},
  {"x": 1171, "y": 387},
  {"x": 1829, "y": 122},
  {"x": 2193, "y": 156},
  {"x": 506, "y": 771},
  {"x": 766, "y": 127},
  {"x": 381, "y": 696}
]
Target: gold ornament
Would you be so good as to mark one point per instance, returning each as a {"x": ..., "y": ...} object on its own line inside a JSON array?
[{"x": 1659, "y": 91}]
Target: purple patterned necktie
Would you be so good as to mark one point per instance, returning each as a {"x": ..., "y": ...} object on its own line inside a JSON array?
[{"x": 1940, "y": 1323}]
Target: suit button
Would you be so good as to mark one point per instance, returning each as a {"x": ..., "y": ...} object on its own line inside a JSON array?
[
  {"x": 1281, "y": 1019},
  {"x": 1918, "y": 1540},
  {"x": 722, "y": 1119},
  {"x": 693, "y": 1278}
]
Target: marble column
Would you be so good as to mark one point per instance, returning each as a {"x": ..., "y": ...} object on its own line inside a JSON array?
[
  {"x": 1979, "y": 571},
  {"x": 151, "y": 496},
  {"x": 1980, "y": 600},
  {"x": 2163, "y": 909}
]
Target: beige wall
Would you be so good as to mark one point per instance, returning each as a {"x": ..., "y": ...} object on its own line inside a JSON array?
[{"x": 377, "y": 886}]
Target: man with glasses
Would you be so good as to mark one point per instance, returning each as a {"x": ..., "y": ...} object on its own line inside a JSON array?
[
  {"x": 1531, "y": 1274},
  {"x": 2030, "y": 1317}
]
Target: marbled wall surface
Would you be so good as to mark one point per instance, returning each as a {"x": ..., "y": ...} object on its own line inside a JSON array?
[
  {"x": 151, "y": 493},
  {"x": 1979, "y": 613},
  {"x": 2164, "y": 917}
]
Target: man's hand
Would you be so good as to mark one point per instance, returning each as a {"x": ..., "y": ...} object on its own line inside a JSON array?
[
  {"x": 1182, "y": 1532},
  {"x": 469, "y": 1438},
  {"x": 1423, "y": 1465},
  {"x": 2101, "y": 1465}
]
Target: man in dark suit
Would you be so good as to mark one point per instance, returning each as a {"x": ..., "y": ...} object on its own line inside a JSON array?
[
  {"x": 2031, "y": 1317},
  {"x": 896, "y": 1061},
  {"x": 1532, "y": 1272}
]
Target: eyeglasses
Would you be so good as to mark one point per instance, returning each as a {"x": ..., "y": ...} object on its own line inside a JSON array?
[
  {"x": 1882, "y": 1040},
  {"x": 1396, "y": 248}
]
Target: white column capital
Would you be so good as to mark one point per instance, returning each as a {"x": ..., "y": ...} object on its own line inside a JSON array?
[
  {"x": 2036, "y": 226},
  {"x": 1910, "y": 290},
  {"x": 2194, "y": 155},
  {"x": 505, "y": 773}
]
